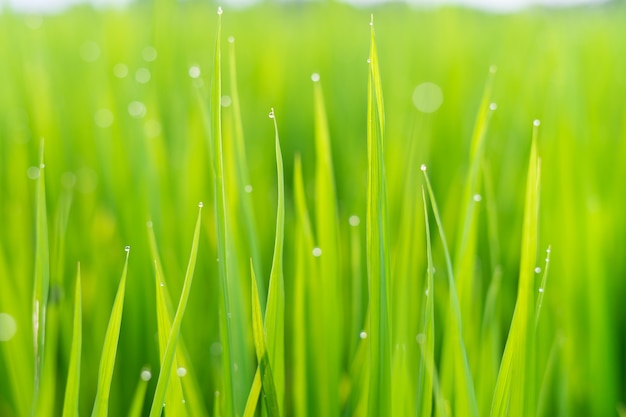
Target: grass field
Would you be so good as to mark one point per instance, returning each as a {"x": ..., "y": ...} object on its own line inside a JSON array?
[{"x": 351, "y": 255}]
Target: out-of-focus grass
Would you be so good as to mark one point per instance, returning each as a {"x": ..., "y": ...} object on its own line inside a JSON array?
[{"x": 126, "y": 100}]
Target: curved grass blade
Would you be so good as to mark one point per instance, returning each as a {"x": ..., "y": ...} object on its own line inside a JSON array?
[
  {"x": 265, "y": 367},
  {"x": 253, "y": 396},
  {"x": 515, "y": 391},
  {"x": 275, "y": 311},
  {"x": 42, "y": 279},
  {"x": 109, "y": 351},
  {"x": 464, "y": 386},
  {"x": 70, "y": 405},
  {"x": 378, "y": 250},
  {"x": 136, "y": 407},
  {"x": 167, "y": 359}
]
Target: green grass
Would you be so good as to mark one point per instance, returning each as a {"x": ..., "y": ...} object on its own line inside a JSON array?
[{"x": 372, "y": 260}]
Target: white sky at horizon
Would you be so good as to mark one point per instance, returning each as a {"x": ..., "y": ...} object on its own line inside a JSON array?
[{"x": 43, "y": 6}]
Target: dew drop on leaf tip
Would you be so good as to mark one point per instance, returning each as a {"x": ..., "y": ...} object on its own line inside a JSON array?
[
  {"x": 493, "y": 107},
  {"x": 315, "y": 77},
  {"x": 201, "y": 204},
  {"x": 423, "y": 167},
  {"x": 363, "y": 335},
  {"x": 127, "y": 249},
  {"x": 219, "y": 10},
  {"x": 537, "y": 122},
  {"x": 271, "y": 115}
]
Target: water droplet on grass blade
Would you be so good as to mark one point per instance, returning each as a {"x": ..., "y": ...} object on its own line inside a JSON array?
[
  {"x": 537, "y": 122},
  {"x": 181, "y": 372},
  {"x": 363, "y": 335},
  {"x": 8, "y": 327},
  {"x": 541, "y": 290},
  {"x": 271, "y": 115},
  {"x": 493, "y": 106},
  {"x": 369, "y": 61},
  {"x": 477, "y": 197},
  {"x": 248, "y": 188},
  {"x": 127, "y": 249},
  {"x": 423, "y": 168},
  {"x": 42, "y": 166},
  {"x": 317, "y": 252},
  {"x": 315, "y": 77},
  {"x": 146, "y": 375},
  {"x": 354, "y": 220},
  {"x": 231, "y": 39},
  {"x": 537, "y": 270},
  {"x": 194, "y": 71},
  {"x": 201, "y": 204},
  {"x": 219, "y": 10}
]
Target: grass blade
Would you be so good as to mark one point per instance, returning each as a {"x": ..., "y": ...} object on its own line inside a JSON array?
[
  {"x": 378, "y": 250},
  {"x": 515, "y": 392},
  {"x": 109, "y": 351},
  {"x": 136, "y": 407},
  {"x": 42, "y": 279},
  {"x": 70, "y": 405},
  {"x": 464, "y": 386},
  {"x": 275, "y": 311},
  {"x": 167, "y": 359}
]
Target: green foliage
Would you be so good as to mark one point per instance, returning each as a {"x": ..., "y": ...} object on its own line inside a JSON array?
[{"x": 298, "y": 307}]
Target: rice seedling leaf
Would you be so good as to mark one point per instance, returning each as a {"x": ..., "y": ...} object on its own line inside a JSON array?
[
  {"x": 378, "y": 250},
  {"x": 42, "y": 279},
  {"x": 514, "y": 394},
  {"x": 275, "y": 311},
  {"x": 167, "y": 359},
  {"x": 72, "y": 388},
  {"x": 109, "y": 350}
]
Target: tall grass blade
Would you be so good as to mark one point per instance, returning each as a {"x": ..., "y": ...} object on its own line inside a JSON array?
[
  {"x": 139, "y": 397},
  {"x": 328, "y": 355},
  {"x": 378, "y": 250},
  {"x": 465, "y": 397},
  {"x": 167, "y": 359},
  {"x": 42, "y": 280},
  {"x": 515, "y": 388},
  {"x": 109, "y": 351},
  {"x": 275, "y": 311},
  {"x": 72, "y": 388},
  {"x": 264, "y": 366}
]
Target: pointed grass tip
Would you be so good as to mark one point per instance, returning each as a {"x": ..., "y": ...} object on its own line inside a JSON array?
[
  {"x": 423, "y": 167},
  {"x": 201, "y": 204},
  {"x": 537, "y": 122},
  {"x": 372, "y": 19},
  {"x": 127, "y": 249},
  {"x": 271, "y": 115},
  {"x": 219, "y": 10}
]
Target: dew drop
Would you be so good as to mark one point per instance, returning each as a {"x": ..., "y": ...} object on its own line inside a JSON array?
[
  {"x": 537, "y": 270},
  {"x": 42, "y": 166},
  {"x": 541, "y": 290},
  {"x": 548, "y": 250},
  {"x": 363, "y": 335},
  {"x": 537, "y": 122},
  {"x": 231, "y": 39},
  {"x": 369, "y": 61},
  {"x": 426, "y": 292},
  {"x": 8, "y": 327},
  {"x": 248, "y": 188},
  {"x": 423, "y": 168},
  {"x": 317, "y": 252},
  {"x": 194, "y": 71},
  {"x": 127, "y": 249},
  {"x": 219, "y": 10},
  {"x": 120, "y": 70},
  {"x": 146, "y": 375},
  {"x": 477, "y": 197},
  {"x": 162, "y": 284},
  {"x": 354, "y": 220},
  {"x": 271, "y": 115},
  {"x": 181, "y": 372},
  {"x": 493, "y": 107},
  {"x": 201, "y": 204},
  {"x": 315, "y": 77}
]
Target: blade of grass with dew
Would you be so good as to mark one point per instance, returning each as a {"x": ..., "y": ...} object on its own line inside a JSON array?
[
  {"x": 515, "y": 392},
  {"x": 542, "y": 287},
  {"x": 243, "y": 177},
  {"x": 139, "y": 397},
  {"x": 465, "y": 400},
  {"x": 109, "y": 350},
  {"x": 167, "y": 359},
  {"x": 174, "y": 394},
  {"x": 465, "y": 253},
  {"x": 42, "y": 280},
  {"x": 192, "y": 393},
  {"x": 72, "y": 388},
  {"x": 305, "y": 290},
  {"x": 231, "y": 402},
  {"x": 425, "y": 381},
  {"x": 275, "y": 311},
  {"x": 377, "y": 245},
  {"x": 356, "y": 276},
  {"x": 264, "y": 364},
  {"x": 330, "y": 285}
]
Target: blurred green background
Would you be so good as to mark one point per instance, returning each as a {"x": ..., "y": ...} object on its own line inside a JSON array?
[{"x": 111, "y": 93}]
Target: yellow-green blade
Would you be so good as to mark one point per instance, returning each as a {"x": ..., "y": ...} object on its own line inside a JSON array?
[
  {"x": 42, "y": 279},
  {"x": 109, "y": 350},
  {"x": 167, "y": 360},
  {"x": 139, "y": 397},
  {"x": 378, "y": 250},
  {"x": 72, "y": 388},
  {"x": 275, "y": 311}
]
